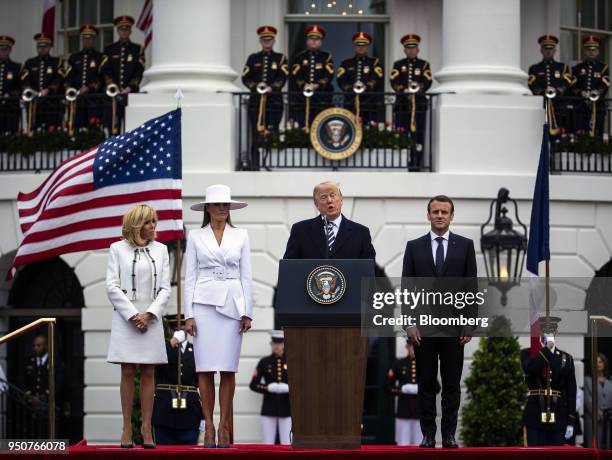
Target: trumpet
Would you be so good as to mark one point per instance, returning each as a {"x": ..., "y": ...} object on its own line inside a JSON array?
[
  {"x": 112, "y": 90},
  {"x": 550, "y": 92},
  {"x": 28, "y": 95},
  {"x": 593, "y": 95},
  {"x": 262, "y": 88},
  {"x": 413, "y": 87},
  {"x": 359, "y": 87},
  {"x": 71, "y": 94},
  {"x": 308, "y": 90}
]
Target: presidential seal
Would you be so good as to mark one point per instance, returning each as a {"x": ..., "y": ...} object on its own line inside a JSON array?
[
  {"x": 335, "y": 134},
  {"x": 326, "y": 284}
]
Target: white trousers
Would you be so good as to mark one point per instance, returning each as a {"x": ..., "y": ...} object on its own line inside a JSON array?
[
  {"x": 408, "y": 432},
  {"x": 268, "y": 428}
]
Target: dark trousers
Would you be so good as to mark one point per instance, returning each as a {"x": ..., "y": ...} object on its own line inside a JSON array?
[
  {"x": 537, "y": 437},
  {"x": 165, "y": 436},
  {"x": 9, "y": 116},
  {"x": 402, "y": 117},
  {"x": 371, "y": 108},
  {"x": 318, "y": 103},
  {"x": 450, "y": 353},
  {"x": 271, "y": 119},
  {"x": 584, "y": 116}
]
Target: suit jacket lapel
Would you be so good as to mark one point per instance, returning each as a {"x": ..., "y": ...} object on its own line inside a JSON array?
[
  {"x": 317, "y": 233},
  {"x": 450, "y": 251},
  {"x": 429, "y": 253},
  {"x": 211, "y": 243}
]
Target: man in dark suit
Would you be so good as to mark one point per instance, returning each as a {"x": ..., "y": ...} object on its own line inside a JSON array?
[
  {"x": 438, "y": 254},
  {"x": 330, "y": 235}
]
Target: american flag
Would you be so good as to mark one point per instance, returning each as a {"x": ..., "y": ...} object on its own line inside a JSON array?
[
  {"x": 145, "y": 21},
  {"x": 80, "y": 206}
]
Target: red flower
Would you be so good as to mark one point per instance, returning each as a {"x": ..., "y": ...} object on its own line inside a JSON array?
[
  {"x": 359, "y": 120},
  {"x": 400, "y": 129},
  {"x": 50, "y": 128},
  {"x": 562, "y": 130},
  {"x": 94, "y": 121},
  {"x": 388, "y": 123},
  {"x": 579, "y": 132}
]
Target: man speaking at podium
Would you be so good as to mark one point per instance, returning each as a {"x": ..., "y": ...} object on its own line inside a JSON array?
[{"x": 330, "y": 235}]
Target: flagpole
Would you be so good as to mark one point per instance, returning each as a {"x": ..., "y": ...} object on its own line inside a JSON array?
[
  {"x": 65, "y": 31},
  {"x": 177, "y": 258}
]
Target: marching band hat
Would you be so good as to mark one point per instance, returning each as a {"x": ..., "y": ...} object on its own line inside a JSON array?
[
  {"x": 88, "y": 31},
  {"x": 410, "y": 40},
  {"x": 43, "y": 39},
  {"x": 548, "y": 41},
  {"x": 124, "y": 21},
  {"x": 315, "y": 31},
  {"x": 362, "y": 38},
  {"x": 267, "y": 32},
  {"x": 6, "y": 41},
  {"x": 218, "y": 194},
  {"x": 278, "y": 336},
  {"x": 549, "y": 324},
  {"x": 591, "y": 41}
]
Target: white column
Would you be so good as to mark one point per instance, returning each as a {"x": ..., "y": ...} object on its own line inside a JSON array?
[
  {"x": 481, "y": 47},
  {"x": 191, "y": 47}
]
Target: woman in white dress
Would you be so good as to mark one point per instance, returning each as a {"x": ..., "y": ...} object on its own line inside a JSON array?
[
  {"x": 217, "y": 304},
  {"x": 138, "y": 287}
]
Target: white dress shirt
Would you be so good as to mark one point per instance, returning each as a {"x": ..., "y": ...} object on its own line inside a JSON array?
[
  {"x": 434, "y": 243},
  {"x": 336, "y": 226}
]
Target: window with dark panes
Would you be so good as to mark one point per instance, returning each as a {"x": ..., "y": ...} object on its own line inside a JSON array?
[
  {"x": 580, "y": 18},
  {"x": 97, "y": 12}
]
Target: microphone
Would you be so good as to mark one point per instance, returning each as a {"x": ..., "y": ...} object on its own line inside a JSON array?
[{"x": 325, "y": 223}]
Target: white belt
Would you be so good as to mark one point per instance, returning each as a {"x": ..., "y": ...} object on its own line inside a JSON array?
[{"x": 219, "y": 273}]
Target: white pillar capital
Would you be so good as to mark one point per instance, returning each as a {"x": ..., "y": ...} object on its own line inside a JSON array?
[
  {"x": 481, "y": 47},
  {"x": 180, "y": 57}
]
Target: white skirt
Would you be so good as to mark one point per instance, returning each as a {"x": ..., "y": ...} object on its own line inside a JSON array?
[{"x": 217, "y": 343}]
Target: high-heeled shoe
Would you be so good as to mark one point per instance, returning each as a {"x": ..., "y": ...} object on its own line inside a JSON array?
[
  {"x": 147, "y": 445},
  {"x": 209, "y": 437},
  {"x": 223, "y": 441},
  {"x": 126, "y": 445}
]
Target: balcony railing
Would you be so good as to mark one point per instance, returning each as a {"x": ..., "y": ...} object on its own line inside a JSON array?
[
  {"x": 284, "y": 142},
  {"x": 38, "y": 135}
]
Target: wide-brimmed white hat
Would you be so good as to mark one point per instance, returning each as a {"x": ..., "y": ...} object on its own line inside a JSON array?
[{"x": 218, "y": 194}]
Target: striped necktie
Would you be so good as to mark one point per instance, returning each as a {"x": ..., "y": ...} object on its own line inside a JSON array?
[{"x": 330, "y": 234}]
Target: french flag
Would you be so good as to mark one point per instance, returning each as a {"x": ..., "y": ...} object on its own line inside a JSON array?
[{"x": 48, "y": 21}]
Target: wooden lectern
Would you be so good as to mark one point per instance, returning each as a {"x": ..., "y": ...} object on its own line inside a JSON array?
[{"x": 326, "y": 353}]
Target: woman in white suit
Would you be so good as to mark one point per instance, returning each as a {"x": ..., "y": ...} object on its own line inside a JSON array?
[
  {"x": 138, "y": 287},
  {"x": 217, "y": 303}
]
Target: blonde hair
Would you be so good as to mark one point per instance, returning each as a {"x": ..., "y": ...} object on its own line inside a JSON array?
[
  {"x": 328, "y": 183},
  {"x": 134, "y": 220}
]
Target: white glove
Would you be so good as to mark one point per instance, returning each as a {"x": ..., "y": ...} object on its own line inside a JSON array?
[
  {"x": 274, "y": 387},
  {"x": 569, "y": 431},
  {"x": 180, "y": 336},
  {"x": 410, "y": 388},
  {"x": 283, "y": 388},
  {"x": 549, "y": 341}
]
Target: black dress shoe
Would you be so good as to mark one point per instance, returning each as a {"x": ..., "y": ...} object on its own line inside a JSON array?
[
  {"x": 448, "y": 442},
  {"x": 127, "y": 446},
  {"x": 428, "y": 442}
]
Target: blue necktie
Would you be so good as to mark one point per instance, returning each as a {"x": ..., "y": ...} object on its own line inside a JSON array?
[{"x": 439, "y": 256}]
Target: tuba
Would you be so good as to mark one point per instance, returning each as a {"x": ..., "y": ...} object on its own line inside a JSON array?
[
  {"x": 71, "y": 94},
  {"x": 359, "y": 87},
  {"x": 550, "y": 92},
  {"x": 28, "y": 95},
  {"x": 112, "y": 90}
]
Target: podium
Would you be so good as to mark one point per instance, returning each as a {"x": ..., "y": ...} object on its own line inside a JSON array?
[{"x": 319, "y": 307}]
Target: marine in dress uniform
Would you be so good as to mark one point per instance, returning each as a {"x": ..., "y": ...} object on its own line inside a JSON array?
[
  {"x": 550, "y": 74},
  {"x": 592, "y": 79},
  {"x": 10, "y": 87},
  {"x": 411, "y": 73},
  {"x": 176, "y": 416},
  {"x": 369, "y": 73},
  {"x": 83, "y": 74},
  {"x": 264, "y": 74},
  {"x": 270, "y": 379},
  {"x": 311, "y": 68},
  {"x": 123, "y": 65},
  {"x": 551, "y": 402},
  {"x": 45, "y": 75}
]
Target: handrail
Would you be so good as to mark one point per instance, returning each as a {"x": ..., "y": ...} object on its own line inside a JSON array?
[
  {"x": 50, "y": 322},
  {"x": 594, "y": 409}
]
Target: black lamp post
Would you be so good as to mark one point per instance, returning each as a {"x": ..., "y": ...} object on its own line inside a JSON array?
[{"x": 503, "y": 247}]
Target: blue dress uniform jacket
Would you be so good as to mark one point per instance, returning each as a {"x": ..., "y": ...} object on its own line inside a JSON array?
[
  {"x": 272, "y": 369},
  {"x": 407, "y": 70},
  {"x": 45, "y": 72},
  {"x": 403, "y": 371},
  {"x": 307, "y": 241},
  {"x": 559, "y": 368},
  {"x": 166, "y": 375},
  {"x": 10, "y": 84},
  {"x": 84, "y": 70},
  {"x": 123, "y": 64},
  {"x": 591, "y": 75},
  {"x": 367, "y": 70},
  {"x": 549, "y": 73}
]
